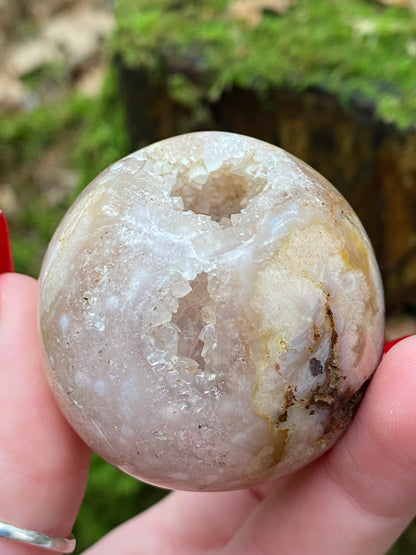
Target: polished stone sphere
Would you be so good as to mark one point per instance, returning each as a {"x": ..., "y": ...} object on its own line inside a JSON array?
[{"x": 211, "y": 312}]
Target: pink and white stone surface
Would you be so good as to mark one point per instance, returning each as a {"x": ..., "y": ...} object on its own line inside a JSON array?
[{"x": 211, "y": 310}]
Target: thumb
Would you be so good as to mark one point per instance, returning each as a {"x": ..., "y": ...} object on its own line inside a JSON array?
[{"x": 43, "y": 463}]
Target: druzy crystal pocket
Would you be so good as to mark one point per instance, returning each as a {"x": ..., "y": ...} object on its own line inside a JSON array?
[{"x": 211, "y": 312}]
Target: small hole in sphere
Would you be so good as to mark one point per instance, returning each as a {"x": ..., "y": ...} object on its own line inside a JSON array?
[{"x": 218, "y": 194}]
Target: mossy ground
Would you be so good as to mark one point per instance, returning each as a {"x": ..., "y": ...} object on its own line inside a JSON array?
[
  {"x": 93, "y": 134},
  {"x": 356, "y": 49}
]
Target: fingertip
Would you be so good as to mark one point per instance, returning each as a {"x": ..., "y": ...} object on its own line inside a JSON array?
[
  {"x": 390, "y": 344},
  {"x": 376, "y": 458},
  {"x": 16, "y": 290},
  {"x": 402, "y": 346},
  {"x": 390, "y": 409}
]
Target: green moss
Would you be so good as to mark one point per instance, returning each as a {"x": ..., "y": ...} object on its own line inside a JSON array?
[
  {"x": 26, "y": 135},
  {"x": 355, "y": 49},
  {"x": 104, "y": 139},
  {"x": 31, "y": 234},
  {"x": 95, "y": 135},
  {"x": 24, "y": 138},
  {"x": 49, "y": 76}
]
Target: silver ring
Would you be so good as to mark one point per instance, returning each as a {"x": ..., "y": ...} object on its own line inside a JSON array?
[{"x": 9, "y": 532}]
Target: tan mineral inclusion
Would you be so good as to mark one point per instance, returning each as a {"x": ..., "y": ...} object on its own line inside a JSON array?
[{"x": 211, "y": 311}]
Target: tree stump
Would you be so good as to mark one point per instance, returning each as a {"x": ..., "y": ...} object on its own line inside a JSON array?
[{"x": 331, "y": 82}]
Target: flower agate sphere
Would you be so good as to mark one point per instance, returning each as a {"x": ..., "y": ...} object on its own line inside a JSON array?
[{"x": 211, "y": 311}]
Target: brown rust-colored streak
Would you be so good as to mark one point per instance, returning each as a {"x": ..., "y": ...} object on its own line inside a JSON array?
[
  {"x": 332, "y": 373},
  {"x": 316, "y": 333},
  {"x": 336, "y": 403},
  {"x": 339, "y": 406},
  {"x": 343, "y": 408},
  {"x": 290, "y": 397},
  {"x": 290, "y": 400}
]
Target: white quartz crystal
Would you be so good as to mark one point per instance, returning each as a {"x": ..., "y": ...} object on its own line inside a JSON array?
[{"x": 211, "y": 311}]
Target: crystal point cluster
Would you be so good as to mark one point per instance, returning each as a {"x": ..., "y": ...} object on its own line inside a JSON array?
[{"x": 211, "y": 311}]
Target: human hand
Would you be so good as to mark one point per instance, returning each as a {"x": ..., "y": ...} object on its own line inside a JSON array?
[
  {"x": 43, "y": 464},
  {"x": 354, "y": 500}
]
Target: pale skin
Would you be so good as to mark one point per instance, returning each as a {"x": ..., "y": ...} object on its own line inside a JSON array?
[{"x": 356, "y": 499}]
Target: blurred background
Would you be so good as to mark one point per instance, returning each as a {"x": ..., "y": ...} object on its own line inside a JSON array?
[{"x": 82, "y": 83}]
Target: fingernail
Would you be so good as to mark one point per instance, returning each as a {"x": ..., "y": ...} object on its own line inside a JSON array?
[
  {"x": 390, "y": 344},
  {"x": 6, "y": 259}
]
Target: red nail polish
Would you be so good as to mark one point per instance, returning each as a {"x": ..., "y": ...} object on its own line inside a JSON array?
[
  {"x": 6, "y": 260},
  {"x": 390, "y": 344}
]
